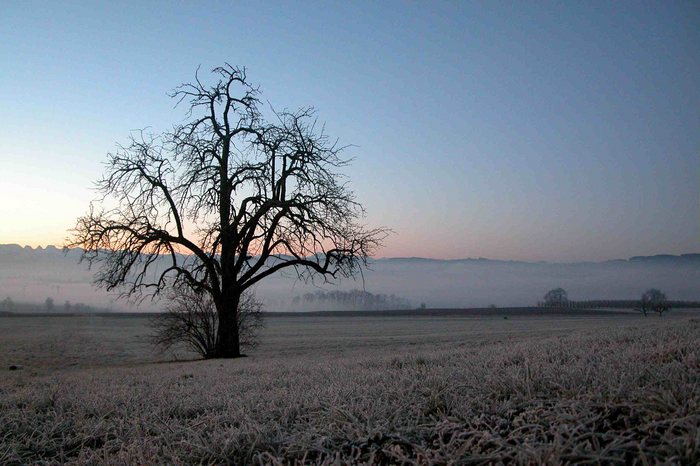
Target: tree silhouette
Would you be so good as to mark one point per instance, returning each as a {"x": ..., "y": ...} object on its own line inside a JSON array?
[
  {"x": 7, "y": 304},
  {"x": 229, "y": 199},
  {"x": 556, "y": 298},
  {"x": 654, "y": 300}
]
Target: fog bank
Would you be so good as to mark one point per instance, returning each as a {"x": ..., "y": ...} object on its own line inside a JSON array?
[{"x": 32, "y": 275}]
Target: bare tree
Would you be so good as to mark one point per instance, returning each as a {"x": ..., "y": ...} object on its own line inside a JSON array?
[
  {"x": 191, "y": 318},
  {"x": 654, "y": 300},
  {"x": 7, "y": 304},
  {"x": 229, "y": 199},
  {"x": 556, "y": 298}
]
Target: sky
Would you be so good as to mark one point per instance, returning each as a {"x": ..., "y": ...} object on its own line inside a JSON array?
[{"x": 558, "y": 131}]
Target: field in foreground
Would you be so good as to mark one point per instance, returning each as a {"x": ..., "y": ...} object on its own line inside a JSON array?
[{"x": 614, "y": 389}]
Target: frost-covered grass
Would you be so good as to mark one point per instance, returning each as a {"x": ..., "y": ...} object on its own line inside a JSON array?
[{"x": 620, "y": 395}]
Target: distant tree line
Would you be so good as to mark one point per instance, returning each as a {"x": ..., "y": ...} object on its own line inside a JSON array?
[
  {"x": 616, "y": 304},
  {"x": 48, "y": 306},
  {"x": 652, "y": 300},
  {"x": 353, "y": 300}
]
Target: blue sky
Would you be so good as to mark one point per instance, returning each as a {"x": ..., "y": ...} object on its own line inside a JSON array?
[{"x": 536, "y": 130}]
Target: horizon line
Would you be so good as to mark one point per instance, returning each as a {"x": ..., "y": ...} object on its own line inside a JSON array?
[{"x": 421, "y": 258}]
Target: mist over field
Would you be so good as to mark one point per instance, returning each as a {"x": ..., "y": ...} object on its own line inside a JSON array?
[{"x": 32, "y": 275}]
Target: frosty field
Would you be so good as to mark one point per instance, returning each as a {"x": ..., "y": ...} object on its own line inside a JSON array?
[{"x": 596, "y": 388}]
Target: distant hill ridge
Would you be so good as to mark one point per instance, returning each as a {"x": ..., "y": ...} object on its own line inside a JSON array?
[
  {"x": 51, "y": 249},
  {"x": 657, "y": 257}
]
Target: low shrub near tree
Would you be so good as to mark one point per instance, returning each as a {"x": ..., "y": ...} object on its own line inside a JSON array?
[{"x": 191, "y": 319}]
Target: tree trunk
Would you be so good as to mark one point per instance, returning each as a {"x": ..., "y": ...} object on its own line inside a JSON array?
[{"x": 228, "y": 344}]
